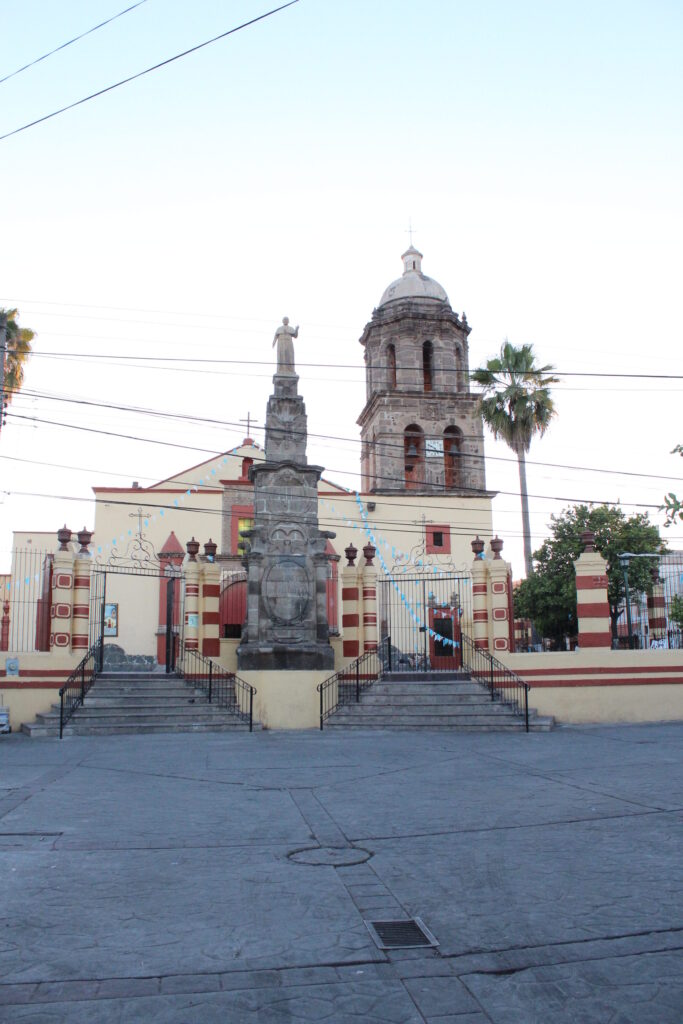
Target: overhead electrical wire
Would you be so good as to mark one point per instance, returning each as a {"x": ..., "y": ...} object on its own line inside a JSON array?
[
  {"x": 69, "y": 42},
  {"x": 381, "y": 445},
  {"x": 147, "y": 71}
]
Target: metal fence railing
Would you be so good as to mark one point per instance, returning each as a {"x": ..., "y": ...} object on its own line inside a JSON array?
[
  {"x": 346, "y": 686},
  {"x": 25, "y": 602},
  {"x": 503, "y": 685},
  {"x": 221, "y": 687},
  {"x": 72, "y": 694}
]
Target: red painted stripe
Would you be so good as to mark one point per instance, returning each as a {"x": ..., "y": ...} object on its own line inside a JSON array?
[
  {"x": 564, "y": 683},
  {"x": 211, "y": 590},
  {"x": 350, "y": 648},
  {"x": 370, "y": 593},
  {"x": 211, "y": 647},
  {"x": 482, "y": 642},
  {"x": 478, "y": 588},
  {"x": 79, "y": 642},
  {"x": 591, "y": 583},
  {"x": 595, "y": 639},
  {"x": 592, "y": 609},
  {"x": 480, "y": 616},
  {"x": 350, "y": 620},
  {"x": 191, "y": 643},
  {"x": 349, "y": 593},
  {"x": 599, "y": 670},
  {"x": 211, "y": 618},
  {"x": 81, "y": 611},
  {"x": 192, "y": 590},
  {"x": 369, "y": 619},
  {"x": 82, "y": 582}
]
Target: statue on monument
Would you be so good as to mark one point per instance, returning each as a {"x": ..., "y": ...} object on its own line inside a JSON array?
[{"x": 285, "y": 348}]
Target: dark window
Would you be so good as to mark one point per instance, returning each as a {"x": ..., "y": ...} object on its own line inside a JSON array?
[{"x": 437, "y": 539}]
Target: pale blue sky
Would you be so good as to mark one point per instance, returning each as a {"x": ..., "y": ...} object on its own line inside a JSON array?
[{"x": 536, "y": 146}]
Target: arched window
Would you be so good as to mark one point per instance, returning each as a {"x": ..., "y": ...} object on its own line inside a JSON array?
[
  {"x": 427, "y": 365},
  {"x": 413, "y": 456},
  {"x": 452, "y": 444},
  {"x": 391, "y": 367}
]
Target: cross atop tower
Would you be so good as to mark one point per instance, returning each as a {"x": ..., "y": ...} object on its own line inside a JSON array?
[
  {"x": 249, "y": 422},
  {"x": 410, "y": 230}
]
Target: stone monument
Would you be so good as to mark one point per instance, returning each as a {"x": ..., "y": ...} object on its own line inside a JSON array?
[{"x": 286, "y": 564}]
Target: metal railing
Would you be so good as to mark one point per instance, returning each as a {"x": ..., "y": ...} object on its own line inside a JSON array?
[
  {"x": 72, "y": 694},
  {"x": 220, "y": 686},
  {"x": 503, "y": 685},
  {"x": 346, "y": 686}
]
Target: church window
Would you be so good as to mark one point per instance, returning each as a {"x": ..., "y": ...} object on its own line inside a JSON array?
[
  {"x": 246, "y": 463},
  {"x": 241, "y": 518},
  {"x": 438, "y": 539},
  {"x": 452, "y": 443},
  {"x": 391, "y": 367},
  {"x": 413, "y": 456},
  {"x": 427, "y": 365}
]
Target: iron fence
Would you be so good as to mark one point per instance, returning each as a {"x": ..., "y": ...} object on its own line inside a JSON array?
[
  {"x": 346, "y": 686},
  {"x": 503, "y": 685},
  {"x": 25, "y": 602},
  {"x": 425, "y": 615},
  {"x": 220, "y": 686},
  {"x": 72, "y": 694}
]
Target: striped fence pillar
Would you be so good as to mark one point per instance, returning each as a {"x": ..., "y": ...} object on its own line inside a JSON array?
[
  {"x": 62, "y": 597},
  {"x": 192, "y": 574},
  {"x": 498, "y": 582},
  {"x": 480, "y": 607},
  {"x": 210, "y": 595},
  {"x": 369, "y": 597},
  {"x": 350, "y": 605},
  {"x": 80, "y": 613},
  {"x": 656, "y": 609},
  {"x": 592, "y": 605}
]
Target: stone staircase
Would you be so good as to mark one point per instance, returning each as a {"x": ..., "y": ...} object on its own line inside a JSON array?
[
  {"x": 139, "y": 702},
  {"x": 432, "y": 700}
]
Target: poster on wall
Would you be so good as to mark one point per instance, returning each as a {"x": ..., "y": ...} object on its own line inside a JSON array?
[{"x": 111, "y": 620}]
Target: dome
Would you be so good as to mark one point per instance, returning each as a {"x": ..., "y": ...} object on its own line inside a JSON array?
[{"x": 414, "y": 284}]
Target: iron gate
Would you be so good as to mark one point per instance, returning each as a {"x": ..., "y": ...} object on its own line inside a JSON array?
[{"x": 425, "y": 617}]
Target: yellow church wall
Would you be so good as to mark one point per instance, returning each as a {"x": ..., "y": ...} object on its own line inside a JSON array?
[
  {"x": 36, "y": 688},
  {"x": 602, "y": 685},
  {"x": 286, "y": 700},
  {"x": 197, "y": 515},
  {"x": 137, "y": 598}
]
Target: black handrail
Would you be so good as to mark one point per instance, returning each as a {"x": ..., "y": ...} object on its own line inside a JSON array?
[
  {"x": 503, "y": 684},
  {"x": 72, "y": 694},
  {"x": 346, "y": 686},
  {"x": 220, "y": 686}
]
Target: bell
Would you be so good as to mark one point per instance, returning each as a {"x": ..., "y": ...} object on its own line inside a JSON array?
[{"x": 412, "y": 450}]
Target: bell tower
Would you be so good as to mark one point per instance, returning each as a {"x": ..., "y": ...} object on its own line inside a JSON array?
[{"x": 420, "y": 429}]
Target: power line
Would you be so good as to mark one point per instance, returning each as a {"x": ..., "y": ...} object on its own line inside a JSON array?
[
  {"x": 385, "y": 445},
  {"x": 155, "y": 67},
  {"x": 74, "y": 40},
  {"x": 342, "y": 472}
]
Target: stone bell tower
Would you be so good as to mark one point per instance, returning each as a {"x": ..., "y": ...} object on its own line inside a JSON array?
[
  {"x": 420, "y": 429},
  {"x": 286, "y": 563}
]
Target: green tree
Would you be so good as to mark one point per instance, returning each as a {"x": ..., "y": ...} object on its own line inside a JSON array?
[
  {"x": 516, "y": 404},
  {"x": 673, "y": 506},
  {"x": 548, "y": 595},
  {"x": 676, "y": 610},
  {"x": 17, "y": 350}
]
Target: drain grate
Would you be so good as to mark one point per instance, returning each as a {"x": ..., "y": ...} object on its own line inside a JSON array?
[{"x": 401, "y": 934}]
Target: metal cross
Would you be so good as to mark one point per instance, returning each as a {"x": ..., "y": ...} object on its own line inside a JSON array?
[
  {"x": 410, "y": 229},
  {"x": 139, "y": 515},
  {"x": 249, "y": 423}
]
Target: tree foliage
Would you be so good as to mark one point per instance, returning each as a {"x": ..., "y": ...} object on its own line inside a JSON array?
[
  {"x": 548, "y": 595},
  {"x": 18, "y": 349},
  {"x": 676, "y": 610},
  {"x": 673, "y": 506},
  {"x": 516, "y": 404}
]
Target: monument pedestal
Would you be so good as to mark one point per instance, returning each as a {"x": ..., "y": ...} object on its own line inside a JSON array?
[
  {"x": 287, "y": 566},
  {"x": 286, "y": 700}
]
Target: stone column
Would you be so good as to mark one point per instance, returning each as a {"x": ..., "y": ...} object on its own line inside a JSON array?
[
  {"x": 192, "y": 597},
  {"x": 656, "y": 609},
  {"x": 350, "y": 605},
  {"x": 592, "y": 606},
  {"x": 210, "y": 595},
  {"x": 62, "y": 593},
  {"x": 480, "y": 610},
  {"x": 80, "y": 614},
  {"x": 499, "y": 572},
  {"x": 369, "y": 595}
]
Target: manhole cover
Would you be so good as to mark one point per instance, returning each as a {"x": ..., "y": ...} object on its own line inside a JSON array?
[
  {"x": 331, "y": 856},
  {"x": 401, "y": 934}
]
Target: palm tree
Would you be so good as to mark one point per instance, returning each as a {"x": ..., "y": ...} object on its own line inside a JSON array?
[
  {"x": 516, "y": 404},
  {"x": 17, "y": 351}
]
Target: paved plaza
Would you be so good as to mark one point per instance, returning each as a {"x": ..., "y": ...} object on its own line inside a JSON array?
[{"x": 197, "y": 879}]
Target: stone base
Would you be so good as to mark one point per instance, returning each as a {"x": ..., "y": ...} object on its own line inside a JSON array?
[
  {"x": 279, "y": 657},
  {"x": 287, "y": 700}
]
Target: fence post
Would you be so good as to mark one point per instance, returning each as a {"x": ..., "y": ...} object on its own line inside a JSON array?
[
  {"x": 358, "y": 681},
  {"x": 321, "y": 707},
  {"x": 61, "y": 713},
  {"x": 492, "y": 684},
  {"x": 251, "y": 708},
  {"x": 389, "y": 652},
  {"x": 83, "y": 681},
  {"x": 210, "y": 680},
  {"x": 526, "y": 708}
]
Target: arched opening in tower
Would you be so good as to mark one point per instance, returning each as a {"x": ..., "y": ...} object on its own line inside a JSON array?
[
  {"x": 413, "y": 456},
  {"x": 391, "y": 367},
  {"x": 452, "y": 447},
  {"x": 427, "y": 365}
]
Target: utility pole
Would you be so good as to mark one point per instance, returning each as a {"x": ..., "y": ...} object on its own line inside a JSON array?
[{"x": 3, "y": 347}]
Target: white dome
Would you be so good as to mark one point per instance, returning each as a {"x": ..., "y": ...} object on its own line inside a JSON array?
[{"x": 414, "y": 284}]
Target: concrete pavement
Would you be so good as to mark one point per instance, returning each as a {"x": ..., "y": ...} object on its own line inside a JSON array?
[{"x": 191, "y": 879}]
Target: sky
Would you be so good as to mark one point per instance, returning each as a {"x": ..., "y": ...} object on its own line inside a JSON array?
[{"x": 535, "y": 147}]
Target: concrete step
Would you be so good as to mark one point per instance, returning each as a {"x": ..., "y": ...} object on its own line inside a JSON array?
[
  {"x": 516, "y": 725},
  {"x": 449, "y": 710},
  {"x": 424, "y": 677},
  {"x": 74, "y": 729}
]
